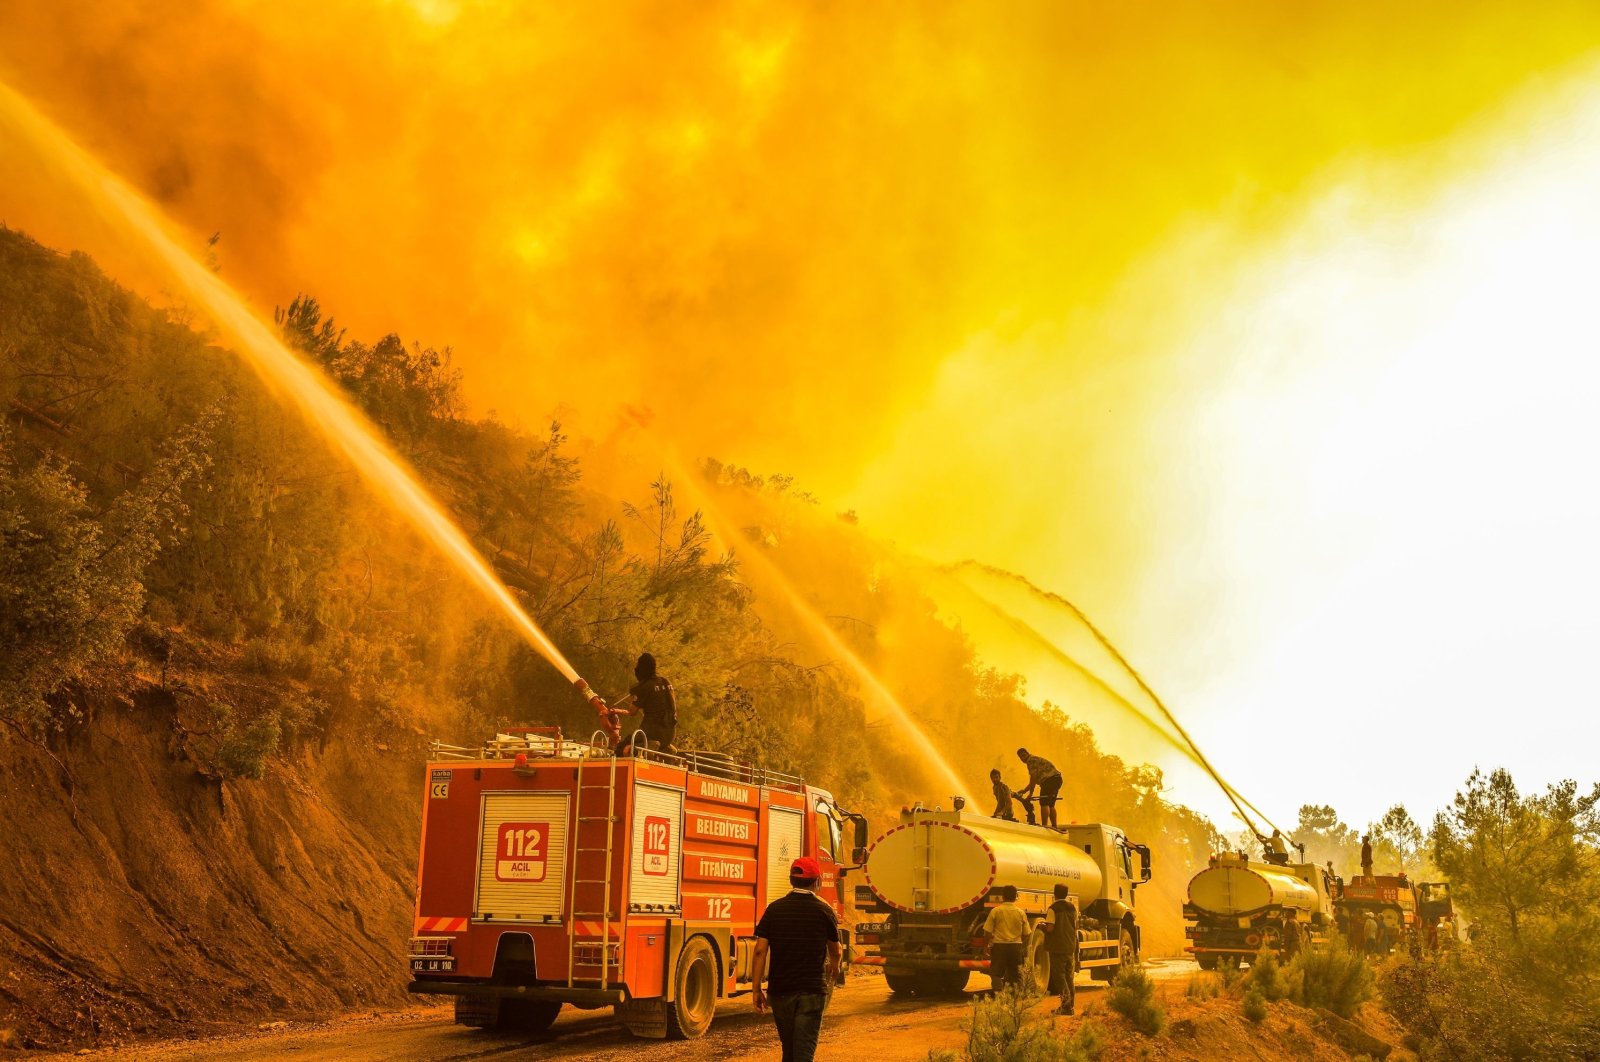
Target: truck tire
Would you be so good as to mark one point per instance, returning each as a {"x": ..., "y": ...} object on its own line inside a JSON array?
[
  {"x": 527, "y": 1015},
  {"x": 902, "y": 982},
  {"x": 1207, "y": 962},
  {"x": 1037, "y": 967},
  {"x": 942, "y": 982},
  {"x": 1125, "y": 951},
  {"x": 694, "y": 1001}
]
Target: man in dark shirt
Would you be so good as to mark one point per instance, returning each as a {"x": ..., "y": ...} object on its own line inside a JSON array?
[
  {"x": 1002, "y": 798},
  {"x": 1289, "y": 937},
  {"x": 800, "y": 934},
  {"x": 654, "y": 704},
  {"x": 1061, "y": 941},
  {"x": 1042, "y": 774}
]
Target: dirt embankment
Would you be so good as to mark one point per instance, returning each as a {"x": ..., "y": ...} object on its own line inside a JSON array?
[{"x": 145, "y": 896}]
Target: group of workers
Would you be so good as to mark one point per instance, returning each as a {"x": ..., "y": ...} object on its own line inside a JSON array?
[
  {"x": 1042, "y": 776},
  {"x": 1008, "y": 931}
]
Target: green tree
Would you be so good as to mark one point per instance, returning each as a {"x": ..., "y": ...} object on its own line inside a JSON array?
[
  {"x": 1398, "y": 843},
  {"x": 70, "y": 577},
  {"x": 1526, "y": 868},
  {"x": 1326, "y": 838}
]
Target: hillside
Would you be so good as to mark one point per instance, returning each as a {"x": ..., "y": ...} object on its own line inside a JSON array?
[{"x": 224, "y": 657}]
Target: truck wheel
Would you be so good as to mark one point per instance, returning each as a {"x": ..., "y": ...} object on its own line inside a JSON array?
[
  {"x": 527, "y": 1015},
  {"x": 901, "y": 982},
  {"x": 695, "y": 982},
  {"x": 942, "y": 982},
  {"x": 1207, "y": 962},
  {"x": 1125, "y": 953},
  {"x": 1038, "y": 962},
  {"x": 477, "y": 1013}
]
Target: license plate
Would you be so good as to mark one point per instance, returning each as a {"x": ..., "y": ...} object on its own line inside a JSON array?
[{"x": 443, "y": 964}]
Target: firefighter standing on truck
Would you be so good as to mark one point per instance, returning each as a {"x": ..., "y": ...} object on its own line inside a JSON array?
[
  {"x": 655, "y": 705},
  {"x": 1042, "y": 774}
]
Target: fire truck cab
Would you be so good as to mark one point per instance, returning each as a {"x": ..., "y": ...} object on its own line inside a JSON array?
[{"x": 555, "y": 872}]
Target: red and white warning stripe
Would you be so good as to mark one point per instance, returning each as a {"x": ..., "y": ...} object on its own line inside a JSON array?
[{"x": 440, "y": 925}]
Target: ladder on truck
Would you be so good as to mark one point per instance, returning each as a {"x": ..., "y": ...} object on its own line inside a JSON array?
[
  {"x": 588, "y": 821},
  {"x": 922, "y": 896}
]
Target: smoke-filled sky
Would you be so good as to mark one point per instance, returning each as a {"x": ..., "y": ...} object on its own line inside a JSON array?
[{"x": 1259, "y": 330}]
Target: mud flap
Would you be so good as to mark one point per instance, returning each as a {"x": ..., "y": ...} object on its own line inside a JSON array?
[{"x": 645, "y": 1018}]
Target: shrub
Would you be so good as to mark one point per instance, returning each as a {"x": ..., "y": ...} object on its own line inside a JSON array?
[
  {"x": 1203, "y": 986},
  {"x": 1255, "y": 1004},
  {"x": 1133, "y": 995},
  {"x": 1473, "y": 1004},
  {"x": 1266, "y": 976},
  {"x": 1333, "y": 977},
  {"x": 1003, "y": 1030},
  {"x": 242, "y": 751}
]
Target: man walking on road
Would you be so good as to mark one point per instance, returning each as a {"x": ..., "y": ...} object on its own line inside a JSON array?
[
  {"x": 1061, "y": 941},
  {"x": 1043, "y": 774},
  {"x": 801, "y": 935},
  {"x": 1007, "y": 930}
]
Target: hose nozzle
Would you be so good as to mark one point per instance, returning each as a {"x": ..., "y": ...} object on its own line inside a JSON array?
[{"x": 603, "y": 710}]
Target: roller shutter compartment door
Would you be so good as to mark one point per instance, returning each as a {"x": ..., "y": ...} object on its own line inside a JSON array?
[
  {"x": 784, "y": 826},
  {"x": 522, "y": 859},
  {"x": 655, "y": 863}
]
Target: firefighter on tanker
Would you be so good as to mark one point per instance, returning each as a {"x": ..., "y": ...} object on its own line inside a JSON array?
[
  {"x": 1275, "y": 848},
  {"x": 1043, "y": 776},
  {"x": 654, "y": 703}
]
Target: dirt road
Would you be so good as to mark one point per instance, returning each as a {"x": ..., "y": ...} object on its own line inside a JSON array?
[{"x": 863, "y": 1013}]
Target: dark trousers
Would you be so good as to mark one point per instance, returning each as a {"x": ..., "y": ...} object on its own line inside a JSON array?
[
  {"x": 799, "y": 1021},
  {"x": 1005, "y": 964},
  {"x": 1061, "y": 974}
]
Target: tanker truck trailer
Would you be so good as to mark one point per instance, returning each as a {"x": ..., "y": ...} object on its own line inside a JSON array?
[
  {"x": 932, "y": 879},
  {"x": 1236, "y": 907}
]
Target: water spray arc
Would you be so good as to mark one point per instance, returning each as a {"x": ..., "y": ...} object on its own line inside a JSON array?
[
  {"x": 1188, "y": 745},
  {"x": 823, "y": 631},
  {"x": 288, "y": 375}
]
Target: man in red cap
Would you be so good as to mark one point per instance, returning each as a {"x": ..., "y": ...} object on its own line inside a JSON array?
[{"x": 801, "y": 935}]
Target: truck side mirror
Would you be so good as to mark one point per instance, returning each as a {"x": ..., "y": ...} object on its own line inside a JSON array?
[
  {"x": 1144, "y": 862},
  {"x": 858, "y": 855}
]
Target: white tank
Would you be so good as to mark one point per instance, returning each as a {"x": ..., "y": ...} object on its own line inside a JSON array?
[
  {"x": 941, "y": 862},
  {"x": 1233, "y": 886}
]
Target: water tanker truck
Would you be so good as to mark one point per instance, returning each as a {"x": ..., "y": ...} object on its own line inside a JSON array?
[
  {"x": 1237, "y": 907},
  {"x": 932, "y": 879}
]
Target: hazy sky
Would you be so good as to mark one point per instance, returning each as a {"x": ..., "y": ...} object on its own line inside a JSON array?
[{"x": 1259, "y": 330}]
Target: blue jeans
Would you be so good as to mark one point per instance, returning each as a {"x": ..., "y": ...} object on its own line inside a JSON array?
[{"x": 799, "y": 1021}]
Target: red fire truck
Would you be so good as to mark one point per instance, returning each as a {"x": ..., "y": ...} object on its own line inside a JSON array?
[{"x": 553, "y": 872}]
